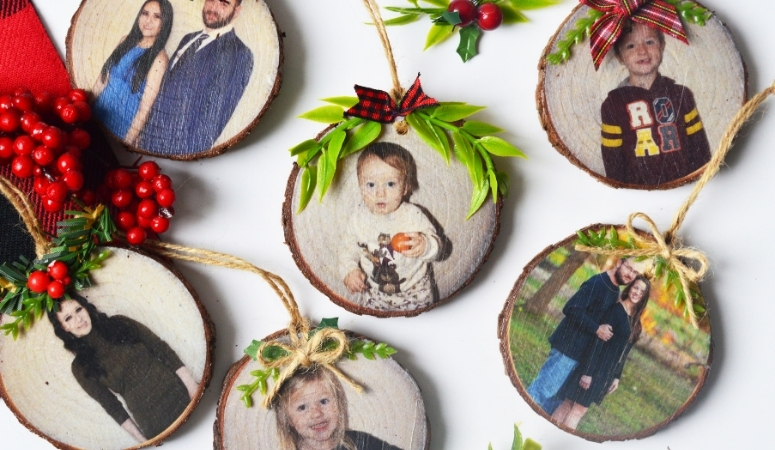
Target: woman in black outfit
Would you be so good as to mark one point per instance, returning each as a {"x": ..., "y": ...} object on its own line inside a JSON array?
[{"x": 598, "y": 372}]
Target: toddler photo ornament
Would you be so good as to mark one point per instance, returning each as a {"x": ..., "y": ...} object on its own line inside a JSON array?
[
  {"x": 408, "y": 197},
  {"x": 606, "y": 333},
  {"x": 646, "y": 108},
  {"x": 176, "y": 79}
]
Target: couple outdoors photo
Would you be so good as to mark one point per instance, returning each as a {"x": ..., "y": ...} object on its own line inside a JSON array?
[{"x": 179, "y": 103}]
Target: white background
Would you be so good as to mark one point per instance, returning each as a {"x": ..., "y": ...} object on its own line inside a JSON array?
[{"x": 232, "y": 204}]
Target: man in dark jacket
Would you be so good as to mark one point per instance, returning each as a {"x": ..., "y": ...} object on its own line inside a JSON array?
[{"x": 577, "y": 329}]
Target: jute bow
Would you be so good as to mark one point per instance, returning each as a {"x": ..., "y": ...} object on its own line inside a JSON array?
[
  {"x": 675, "y": 256},
  {"x": 379, "y": 106},
  {"x": 607, "y": 30}
]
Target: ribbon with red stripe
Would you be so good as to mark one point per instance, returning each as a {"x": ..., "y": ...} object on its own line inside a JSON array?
[
  {"x": 378, "y": 106},
  {"x": 607, "y": 30}
]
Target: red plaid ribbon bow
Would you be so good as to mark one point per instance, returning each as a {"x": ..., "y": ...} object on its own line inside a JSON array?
[
  {"x": 606, "y": 30},
  {"x": 378, "y": 106}
]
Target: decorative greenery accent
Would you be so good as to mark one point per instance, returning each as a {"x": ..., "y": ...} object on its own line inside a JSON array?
[
  {"x": 75, "y": 242},
  {"x": 472, "y": 142},
  {"x": 688, "y": 10},
  {"x": 519, "y": 444},
  {"x": 445, "y": 23},
  {"x": 368, "y": 349},
  {"x": 609, "y": 239}
]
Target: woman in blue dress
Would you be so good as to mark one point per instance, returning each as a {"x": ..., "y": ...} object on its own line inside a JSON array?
[
  {"x": 600, "y": 369},
  {"x": 129, "y": 80}
]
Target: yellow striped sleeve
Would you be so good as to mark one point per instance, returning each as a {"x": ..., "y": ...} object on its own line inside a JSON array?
[
  {"x": 689, "y": 117},
  {"x": 694, "y": 128},
  {"x": 613, "y": 143},
  {"x": 612, "y": 129}
]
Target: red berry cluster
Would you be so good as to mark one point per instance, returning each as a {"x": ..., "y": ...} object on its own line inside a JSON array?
[
  {"x": 143, "y": 197},
  {"x": 54, "y": 280},
  {"x": 49, "y": 153},
  {"x": 488, "y": 16}
]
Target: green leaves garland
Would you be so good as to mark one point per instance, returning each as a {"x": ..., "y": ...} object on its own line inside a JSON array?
[
  {"x": 441, "y": 127},
  {"x": 609, "y": 239},
  {"x": 367, "y": 349},
  {"x": 519, "y": 444},
  {"x": 446, "y": 23},
  {"x": 689, "y": 11},
  {"x": 74, "y": 245}
]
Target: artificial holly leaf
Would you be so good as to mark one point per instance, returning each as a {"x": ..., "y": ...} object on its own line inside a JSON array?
[
  {"x": 331, "y": 322},
  {"x": 437, "y": 34},
  {"x": 308, "y": 184},
  {"x": 343, "y": 101},
  {"x": 361, "y": 137},
  {"x": 403, "y": 19},
  {"x": 469, "y": 37},
  {"x": 450, "y": 18},
  {"x": 325, "y": 114},
  {"x": 499, "y": 147},
  {"x": 252, "y": 349},
  {"x": 480, "y": 129},
  {"x": 453, "y": 113},
  {"x": 512, "y": 15},
  {"x": 273, "y": 352},
  {"x": 533, "y": 4}
]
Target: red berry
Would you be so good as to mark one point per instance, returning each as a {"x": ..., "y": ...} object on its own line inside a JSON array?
[
  {"x": 38, "y": 281},
  {"x": 40, "y": 185},
  {"x": 56, "y": 289},
  {"x": 28, "y": 120},
  {"x": 161, "y": 182},
  {"x": 74, "y": 180},
  {"x": 165, "y": 197},
  {"x": 68, "y": 162},
  {"x": 144, "y": 189},
  {"x": 144, "y": 223},
  {"x": 84, "y": 110},
  {"x": 24, "y": 102},
  {"x": 22, "y": 166},
  {"x": 36, "y": 131},
  {"x": 6, "y": 148},
  {"x": 78, "y": 95},
  {"x": 69, "y": 114},
  {"x": 60, "y": 103},
  {"x": 6, "y": 102},
  {"x": 44, "y": 101},
  {"x": 147, "y": 209},
  {"x": 489, "y": 16},
  {"x": 37, "y": 171},
  {"x": 88, "y": 197},
  {"x": 52, "y": 205},
  {"x": 58, "y": 270},
  {"x": 57, "y": 191},
  {"x": 24, "y": 145},
  {"x": 66, "y": 280},
  {"x": 136, "y": 236},
  {"x": 10, "y": 121},
  {"x": 122, "y": 198},
  {"x": 80, "y": 138},
  {"x": 52, "y": 137},
  {"x": 148, "y": 170},
  {"x": 122, "y": 179},
  {"x": 43, "y": 156},
  {"x": 21, "y": 91},
  {"x": 465, "y": 9},
  {"x": 125, "y": 220},
  {"x": 160, "y": 224}
]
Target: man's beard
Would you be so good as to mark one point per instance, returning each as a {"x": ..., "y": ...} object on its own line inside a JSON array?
[
  {"x": 618, "y": 276},
  {"x": 217, "y": 23}
]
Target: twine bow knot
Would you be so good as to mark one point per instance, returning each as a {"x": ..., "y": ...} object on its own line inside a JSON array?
[
  {"x": 604, "y": 33},
  {"x": 305, "y": 351}
]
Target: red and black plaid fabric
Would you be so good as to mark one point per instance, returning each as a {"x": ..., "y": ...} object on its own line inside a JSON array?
[
  {"x": 377, "y": 105},
  {"x": 606, "y": 30}
]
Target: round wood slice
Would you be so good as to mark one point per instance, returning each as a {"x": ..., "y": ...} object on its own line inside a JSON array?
[
  {"x": 36, "y": 380},
  {"x": 316, "y": 235},
  {"x": 570, "y": 96},
  {"x": 662, "y": 374},
  {"x": 390, "y": 408},
  {"x": 214, "y": 99}
]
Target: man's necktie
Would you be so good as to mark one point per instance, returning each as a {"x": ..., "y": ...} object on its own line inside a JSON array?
[{"x": 189, "y": 52}]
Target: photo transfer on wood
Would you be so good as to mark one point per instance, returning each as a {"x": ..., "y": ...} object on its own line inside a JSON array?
[
  {"x": 120, "y": 364},
  {"x": 177, "y": 79},
  {"x": 597, "y": 345},
  {"x": 653, "y": 113}
]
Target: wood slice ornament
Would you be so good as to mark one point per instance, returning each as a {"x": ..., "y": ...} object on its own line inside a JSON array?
[
  {"x": 176, "y": 79},
  {"x": 388, "y": 414},
  {"x": 649, "y": 107}
]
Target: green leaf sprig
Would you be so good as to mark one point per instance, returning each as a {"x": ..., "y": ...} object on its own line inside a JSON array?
[
  {"x": 74, "y": 245},
  {"x": 609, "y": 239},
  {"x": 355, "y": 347},
  {"x": 688, "y": 10},
  {"x": 441, "y": 127},
  {"x": 445, "y": 23},
  {"x": 519, "y": 444}
]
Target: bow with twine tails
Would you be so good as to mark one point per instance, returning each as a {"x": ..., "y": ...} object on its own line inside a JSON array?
[{"x": 667, "y": 245}]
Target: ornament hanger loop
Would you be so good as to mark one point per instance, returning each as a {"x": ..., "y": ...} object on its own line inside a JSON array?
[
  {"x": 397, "y": 93},
  {"x": 27, "y": 212}
]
